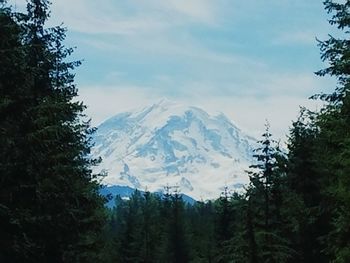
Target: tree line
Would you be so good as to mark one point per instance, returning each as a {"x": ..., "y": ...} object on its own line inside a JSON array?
[
  {"x": 296, "y": 207},
  {"x": 287, "y": 214}
]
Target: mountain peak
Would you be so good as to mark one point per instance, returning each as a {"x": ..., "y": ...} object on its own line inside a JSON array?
[
  {"x": 165, "y": 103},
  {"x": 168, "y": 143}
]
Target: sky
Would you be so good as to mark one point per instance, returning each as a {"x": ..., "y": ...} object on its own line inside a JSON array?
[{"x": 250, "y": 59}]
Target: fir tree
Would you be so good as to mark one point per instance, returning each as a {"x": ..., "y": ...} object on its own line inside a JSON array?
[
  {"x": 57, "y": 208},
  {"x": 17, "y": 190},
  {"x": 334, "y": 139},
  {"x": 305, "y": 185},
  {"x": 265, "y": 203},
  {"x": 202, "y": 234},
  {"x": 223, "y": 226},
  {"x": 178, "y": 250}
]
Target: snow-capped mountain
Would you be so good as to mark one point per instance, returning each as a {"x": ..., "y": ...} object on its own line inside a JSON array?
[{"x": 168, "y": 144}]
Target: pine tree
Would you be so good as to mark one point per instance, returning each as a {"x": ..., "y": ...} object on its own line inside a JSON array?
[
  {"x": 179, "y": 250},
  {"x": 305, "y": 184},
  {"x": 150, "y": 228},
  {"x": 17, "y": 190},
  {"x": 223, "y": 225},
  {"x": 241, "y": 247},
  {"x": 334, "y": 138},
  {"x": 265, "y": 203},
  {"x": 201, "y": 227},
  {"x": 131, "y": 232},
  {"x": 51, "y": 201},
  {"x": 251, "y": 236}
]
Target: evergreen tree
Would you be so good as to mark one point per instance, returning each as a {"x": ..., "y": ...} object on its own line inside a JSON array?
[
  {"x": 265, "y": 203},
  {"x": 334, "y": 138},
  {"x": 17, "y": 189},
  {"x": 202, "y": 233},
  {"x": 131, "y": 238},
  {"x": 150, "y": 229},
  {"x": 49, "y": 199},
  {"x": 305, "y": 183},
  {"x": 223, "y": 226},
  {"x": 178, "y": 250},
  {"x": 242, "y": 245}
]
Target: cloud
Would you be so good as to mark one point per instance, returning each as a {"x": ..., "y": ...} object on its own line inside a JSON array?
[
  {"x": 85, "y": 17},
  {"x": 298, "y": 84},
  {"x": 105, "y": 101},
  {"x": 250, "y": 113},
  {"x": 249, "y": 110},
  {"x": 298, "y": 37},
  {"x": 222, "y": 55},
  {"x": 304, "y": 37},
  {"x": 130, "y": 17},
  {"x": 197, "y": 10}
]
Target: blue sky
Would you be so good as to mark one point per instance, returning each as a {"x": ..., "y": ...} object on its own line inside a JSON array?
[{"x": 250, "y": 59}]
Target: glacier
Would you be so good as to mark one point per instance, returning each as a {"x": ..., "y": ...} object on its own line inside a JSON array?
[{"x": 169, "y": 144}]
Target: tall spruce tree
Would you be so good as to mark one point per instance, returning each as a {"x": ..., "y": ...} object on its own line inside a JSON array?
[
  {"x": 178, "y": 250},
  {"x": 49, "y": 200},
  {"x": 305, "y": 187},
  {"x": 17, "y": 189},
  {"x": 150, "y": 228},
  {"x": 334, "y": 137},
  {"x": 131, "y": 239},
  {"x": 241, "y": 247},
  {"x": 201, "y": 227},
  {"x": 223, "y": 225},
  {"x": 265, "y": 203}
]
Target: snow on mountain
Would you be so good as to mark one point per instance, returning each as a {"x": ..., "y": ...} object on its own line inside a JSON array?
[{"x": 168, "y": 144}]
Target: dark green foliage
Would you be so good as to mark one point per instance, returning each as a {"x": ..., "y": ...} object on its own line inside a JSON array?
[
  {"x": 223, "y": 225},
  {"x": 265, "y": 203},
  {"x": 305, "y": 184},
  {"x": 177, "y": 249},
  {"x": 131, "y": 229},
  {"x": 50, "y": 207},
  {"x": 166, "y": 230},
  {"x": 241, "y": 245},
  {"x": 202, "y": 231},
  {"x": 334, "y": 138}
]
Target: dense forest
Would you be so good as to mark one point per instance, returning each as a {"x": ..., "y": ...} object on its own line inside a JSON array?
[{"x": 295, "y": 209}]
